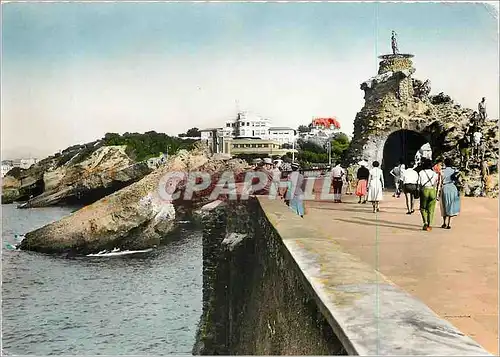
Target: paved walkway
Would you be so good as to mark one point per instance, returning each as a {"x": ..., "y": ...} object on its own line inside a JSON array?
[{"x": 455, "y": 272}]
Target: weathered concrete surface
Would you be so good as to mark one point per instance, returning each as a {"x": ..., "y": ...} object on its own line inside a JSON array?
[
  {"x": 274, "y": 283},
  {"x": 454, "y": 272},
  {"x": 369, "y": 314}
]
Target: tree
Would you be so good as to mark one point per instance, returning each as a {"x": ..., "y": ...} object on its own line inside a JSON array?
[
  {"x": 310, "y": 146},
  {"x": 193, "y": 133},
  {"x": 303, "y": 129},
  {"x": 112, "y": 139},
  {"x": 151, "y": 144},
  {"x": 340, "y": 142}
]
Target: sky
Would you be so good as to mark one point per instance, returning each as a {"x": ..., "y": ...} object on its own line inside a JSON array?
[{"x": 73, "y": 71}]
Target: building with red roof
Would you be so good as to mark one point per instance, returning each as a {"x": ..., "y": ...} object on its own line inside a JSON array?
[{"x": 325, "y": 123}]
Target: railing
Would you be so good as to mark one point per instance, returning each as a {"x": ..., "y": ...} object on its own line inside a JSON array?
[{"x": 308, "y": 172}]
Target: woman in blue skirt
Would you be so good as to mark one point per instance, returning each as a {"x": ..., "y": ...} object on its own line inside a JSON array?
[
  {"x": 450, "y": 197},
  {"x": 295, "y": 190}
]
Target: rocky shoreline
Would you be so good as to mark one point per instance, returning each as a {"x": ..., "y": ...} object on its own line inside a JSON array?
[
  {"x": 80, "y": 174},
  {"x": 136, "y": 217}
]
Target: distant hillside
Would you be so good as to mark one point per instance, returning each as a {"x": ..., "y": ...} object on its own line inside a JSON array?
[
  {"x": 84, "y": 173},
  {"x": 150, "y": 144}
]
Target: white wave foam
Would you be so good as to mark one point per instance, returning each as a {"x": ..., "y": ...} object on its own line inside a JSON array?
[
  {"x": 116, "y": 252},
  {"x": 9, "y": 246}
]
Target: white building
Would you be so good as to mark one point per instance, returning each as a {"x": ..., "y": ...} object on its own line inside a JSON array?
[
  {"x": 247, "y": 125},
  {"x": 7, "y": 165},
  {"x": 27, "y": 163},
  {"x": 217, "y": 139},
  {"x": 24, "y": 164},
  {"x": 321, "y": 130},
  {"x": 155, "y": 162},
  {"x": 283, "y": 135}
]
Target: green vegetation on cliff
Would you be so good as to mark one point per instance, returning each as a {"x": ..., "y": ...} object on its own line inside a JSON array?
[
  {"x": 150, "y": 144},
  {"x": 311, "y": 152}
]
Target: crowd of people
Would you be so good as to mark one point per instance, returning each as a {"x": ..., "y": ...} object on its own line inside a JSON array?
[
  {"x": 428, "y": 183},
  {"x": 293, "y": 193}
]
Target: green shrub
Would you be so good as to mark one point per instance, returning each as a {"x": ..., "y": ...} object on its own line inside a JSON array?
[{"x": 141, "y": 147}]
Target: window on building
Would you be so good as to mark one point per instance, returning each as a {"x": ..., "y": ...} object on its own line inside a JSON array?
[
  {"x": 248, "y": 123},
  {"x": 228, "y": 125}
]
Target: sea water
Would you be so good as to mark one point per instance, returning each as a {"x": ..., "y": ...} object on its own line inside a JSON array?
[{"x": 135, "y": 304}]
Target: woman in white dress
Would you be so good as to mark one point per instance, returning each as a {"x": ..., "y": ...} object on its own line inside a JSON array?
[{"x": 375, "y": 186}]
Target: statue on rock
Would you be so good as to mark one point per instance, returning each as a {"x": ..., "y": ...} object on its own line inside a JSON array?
[
  {"x": 394, "y": 44},
  {"x": 482, "y": 109}
]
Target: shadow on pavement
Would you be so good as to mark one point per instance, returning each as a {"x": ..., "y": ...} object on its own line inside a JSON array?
[{"x": 376, "y": 223}]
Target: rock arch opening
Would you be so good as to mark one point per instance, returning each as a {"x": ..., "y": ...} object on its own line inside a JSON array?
[{"x": 401, "y": 144}]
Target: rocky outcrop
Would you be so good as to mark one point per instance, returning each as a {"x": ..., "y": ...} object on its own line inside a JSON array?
[
  {"x": 10, "y": 189},
  {"x": 81, "y": 174},
  {"x": 136, "y": 217},
  {"x": 395, "y": 101},
  {"x": 106, "y": 170}
]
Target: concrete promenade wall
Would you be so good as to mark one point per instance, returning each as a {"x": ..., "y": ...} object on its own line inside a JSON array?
[{"x": 273, "y": 286}]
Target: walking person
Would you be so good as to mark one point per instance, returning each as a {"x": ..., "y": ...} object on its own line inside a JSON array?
[
  {"x": 438, "y": 167},
  {"x": 264, "y": 166},
  {"x": 338, "y": 174},
  {"x": 427, "y": 181},
  {"x": 476, "y": 140},
  {"x": 295, "y": 190},
  {"x": 410, "y": 189},
  {"x": 286, "y": 164},
  {"x": 375, "y": 186},
  {"x": 362, "y": 175},
  {"x": 396, "y": 173},
  {"x": 351, "y": 173},
  {"x": 418, "y": 158},
  {"x": 450, "y": 197},
  {"x": 276, "y": 169}
]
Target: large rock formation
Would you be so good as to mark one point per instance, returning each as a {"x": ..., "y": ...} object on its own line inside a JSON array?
[
  {"x": 395, "y": 101},
  {"x": 80, "y": 174},
  {"x": 10, "y": 188},
  {"x": 135, "y": 217}
]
